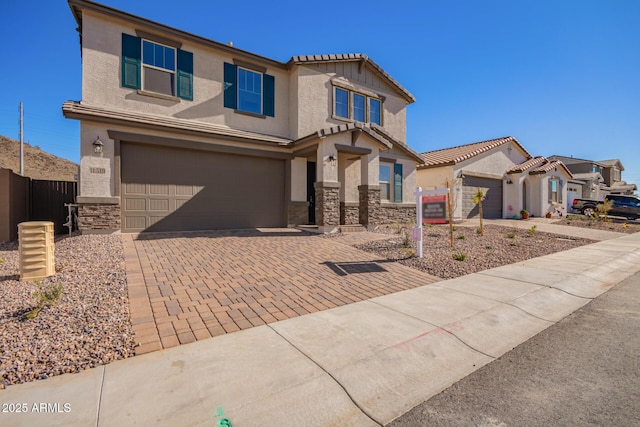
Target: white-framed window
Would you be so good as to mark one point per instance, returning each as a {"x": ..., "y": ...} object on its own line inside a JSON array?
[
  {"x": 158, "y": 68},
  {"x": 249, "y": 91},
  {"x": 555, "y": 190},
  {"x": 352, "y": 105}
]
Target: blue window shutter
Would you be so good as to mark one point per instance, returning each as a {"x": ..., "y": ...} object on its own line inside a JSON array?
[
  {"x": 131, "y": 55},
  {"x": 185, "y": 75},
  {"x": 268, "y": 97},
  {"x": 397, "y": 182},
  {"x": 230, "y": 86}
]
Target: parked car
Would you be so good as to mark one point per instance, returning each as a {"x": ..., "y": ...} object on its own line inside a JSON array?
[{"x": 625, "y": 206}]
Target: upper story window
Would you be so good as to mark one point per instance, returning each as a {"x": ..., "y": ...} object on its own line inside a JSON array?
[
  {"x": 158, "y": 68},
  {"x": 342, "y": 103},
  {"x": 153, "y": 67},
  {"x": 375, "y": 111},
  {"x": 249, "y": 90},
  {"x": 356, "y": 106},
  {"x": 359, "y": 110}
]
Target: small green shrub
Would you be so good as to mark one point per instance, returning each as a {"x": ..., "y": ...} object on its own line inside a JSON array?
[
  {"x": 460, "y": 237},
  {"x": 511, "y": 235},
  {"x": 602, "y": 209},
  {"x": 459, "y": 256},
  {"x": 532, "y": 230},
  {"x": 624, "y": 227},
  {"x": 478, "y": 231},
  {"x": 409, "y": 253},
  {"x": 44, "y": 296},
  {"x": 488, "y": 247},
  {"x": 406, "y": 239},
  {"x": 513, "y": 244},
  {"x": 455, "y": 228}
]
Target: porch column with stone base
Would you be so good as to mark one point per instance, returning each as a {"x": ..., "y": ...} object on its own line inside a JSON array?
[
  {"x": 327, "y": 206},
  {"x": 369, "y": 205}
]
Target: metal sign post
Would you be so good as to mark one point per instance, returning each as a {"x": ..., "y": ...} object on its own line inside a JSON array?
[{"x": 417, "y": 230}]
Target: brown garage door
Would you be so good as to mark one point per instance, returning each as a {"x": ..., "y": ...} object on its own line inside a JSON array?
[
  {"x": 169, "y": 189},
  {"x": 492, "y": 204}
]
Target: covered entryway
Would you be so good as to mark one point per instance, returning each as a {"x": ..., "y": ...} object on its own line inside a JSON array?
[
  {"x": 492, "y": 205},
  {"x": 173, "y": 189}
]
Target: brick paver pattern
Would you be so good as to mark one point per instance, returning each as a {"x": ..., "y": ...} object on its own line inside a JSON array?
[{"x": 191, "y": 286}]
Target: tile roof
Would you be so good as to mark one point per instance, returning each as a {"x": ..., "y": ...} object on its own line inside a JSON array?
[
  {"x": 453, "y": 155},
  {"x": 352, "y": 57},
  {"x": 372, "y": 130},
  {"x": 78, "y": 110},
  {"x": 548, "y": 166},
  {"x": 536, "y": 161}
]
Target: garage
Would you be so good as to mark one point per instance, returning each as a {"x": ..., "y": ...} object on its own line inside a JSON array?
[
  {"x": 175, "y": 189},
  {"x": 492, "y": 204}
]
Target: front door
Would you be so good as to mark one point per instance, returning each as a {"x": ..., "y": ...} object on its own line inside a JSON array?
[{"x": 311, "y": 191}]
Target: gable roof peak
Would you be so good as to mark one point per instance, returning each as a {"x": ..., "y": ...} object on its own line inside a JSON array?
[{"x": 352, "y": 57}]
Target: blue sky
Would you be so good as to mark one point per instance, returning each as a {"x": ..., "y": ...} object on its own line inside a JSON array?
[{"x": 563, "y": 77}]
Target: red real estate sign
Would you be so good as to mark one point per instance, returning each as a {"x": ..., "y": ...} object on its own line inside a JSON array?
[{"x": 434, "y": 209}]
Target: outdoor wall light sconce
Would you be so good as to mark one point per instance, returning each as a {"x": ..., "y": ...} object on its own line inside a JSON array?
[
  {"x": 98, "y": 145},
  {"x": 332, "y": 159},
  {"x": 509, "y": 181}
]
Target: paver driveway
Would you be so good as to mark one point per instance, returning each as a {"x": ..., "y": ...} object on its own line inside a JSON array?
[{"x": 190, "y": 286}]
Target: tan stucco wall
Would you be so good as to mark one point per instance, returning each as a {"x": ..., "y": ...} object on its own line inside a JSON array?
[
  {"x": 433, "y": 178},
  {"x": 495, "y": 162},
  {"x": 349, "y": 175},
  {"x": 299, "y": 179},
  {"x": 314, "y": 88},
  {"x": 97, "y": 175},
  {"x": 101, "y": 78}
]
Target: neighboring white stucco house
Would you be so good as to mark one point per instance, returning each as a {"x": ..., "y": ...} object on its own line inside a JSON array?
[
  {"x": 512, "y": 179},
  {"x": 178, "y": 132}
]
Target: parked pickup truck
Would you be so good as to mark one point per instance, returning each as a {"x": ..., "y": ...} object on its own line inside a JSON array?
[{"x": 625, "y": 206}]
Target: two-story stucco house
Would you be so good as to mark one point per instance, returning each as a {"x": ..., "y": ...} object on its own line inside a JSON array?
[
  {"x": 178, "y": 132},
  {"x": 594, "y": 179}
]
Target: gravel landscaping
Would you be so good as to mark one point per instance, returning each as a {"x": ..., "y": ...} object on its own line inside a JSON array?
[
  {"x": 87, "y": 326},
  {"x": 619, "y": 225},
  {"x": 498, "y": 246}
]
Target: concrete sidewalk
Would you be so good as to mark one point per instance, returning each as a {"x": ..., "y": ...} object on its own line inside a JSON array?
[{"x": 362, "y": 364}]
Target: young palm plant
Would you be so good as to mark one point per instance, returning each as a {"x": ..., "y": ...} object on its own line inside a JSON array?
[{"x": 477, "y": 199}]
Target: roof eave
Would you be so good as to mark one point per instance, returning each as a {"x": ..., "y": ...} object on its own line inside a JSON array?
[{"x": 78, "y": 5}]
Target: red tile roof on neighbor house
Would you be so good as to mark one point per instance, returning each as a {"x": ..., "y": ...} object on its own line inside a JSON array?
[
  {"x": 546, "y": 167},
  {"x": 453, "y": 155},
  {"x": 540, "y": 165},
  {"x": 538, "y": 160}
]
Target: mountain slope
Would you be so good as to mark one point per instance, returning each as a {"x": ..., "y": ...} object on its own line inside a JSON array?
[{"x": 37, "y": 163}]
